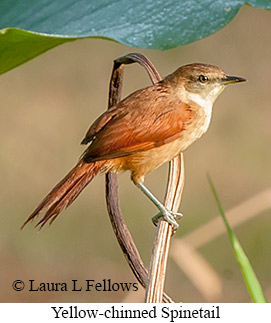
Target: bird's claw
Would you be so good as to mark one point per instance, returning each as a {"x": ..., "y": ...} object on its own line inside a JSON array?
[{"x": 168, "y": 216}]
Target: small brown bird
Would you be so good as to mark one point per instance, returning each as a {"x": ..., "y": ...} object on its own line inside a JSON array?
[{"x": 143, "y": 131}]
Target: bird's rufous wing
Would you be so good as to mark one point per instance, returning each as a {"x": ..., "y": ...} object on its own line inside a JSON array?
[{"x": 137, "y": 125}]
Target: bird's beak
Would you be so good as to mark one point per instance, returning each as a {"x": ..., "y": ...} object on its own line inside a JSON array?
[{"x": 232, "y": 79}]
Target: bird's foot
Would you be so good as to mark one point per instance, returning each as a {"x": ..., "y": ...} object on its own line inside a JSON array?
[{"x": 168, "y": 216}]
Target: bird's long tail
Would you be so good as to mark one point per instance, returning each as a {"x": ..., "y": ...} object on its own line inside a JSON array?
[{"x": 66, "y": 191}]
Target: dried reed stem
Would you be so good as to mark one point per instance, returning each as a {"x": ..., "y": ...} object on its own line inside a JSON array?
[
  {"x": 121, "y": 231},
  {"x": 158, "y": 263}
]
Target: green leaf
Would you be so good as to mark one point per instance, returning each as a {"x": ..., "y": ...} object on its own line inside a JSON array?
[
  {"x": 264, "y": 4},
  {"x": 249, "y": 276},
  {"x": 18, "y": 46},
  {"x": 140, "y": 23}
]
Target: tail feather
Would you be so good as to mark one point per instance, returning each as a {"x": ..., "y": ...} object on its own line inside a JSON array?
[{"x": 66, "y": 191}]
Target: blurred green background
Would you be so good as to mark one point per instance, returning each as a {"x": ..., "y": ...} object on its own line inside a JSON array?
[{"x": 46, "y": 107}]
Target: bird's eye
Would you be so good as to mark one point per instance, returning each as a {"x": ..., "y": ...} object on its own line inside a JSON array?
[{"x": 203, "y": 78}]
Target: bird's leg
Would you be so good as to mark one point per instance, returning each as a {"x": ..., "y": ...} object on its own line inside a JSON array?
[{"x": 168, "y": 215}]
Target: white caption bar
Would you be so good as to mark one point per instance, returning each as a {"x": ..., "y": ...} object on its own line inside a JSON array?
[{"x": 97, "y": 312}]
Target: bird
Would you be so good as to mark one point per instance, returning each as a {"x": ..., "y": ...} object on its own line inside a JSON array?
[{"x": 146, "y": 129}]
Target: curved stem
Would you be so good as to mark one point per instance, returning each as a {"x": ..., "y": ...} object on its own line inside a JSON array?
[{"x": 173, "y": 194}]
